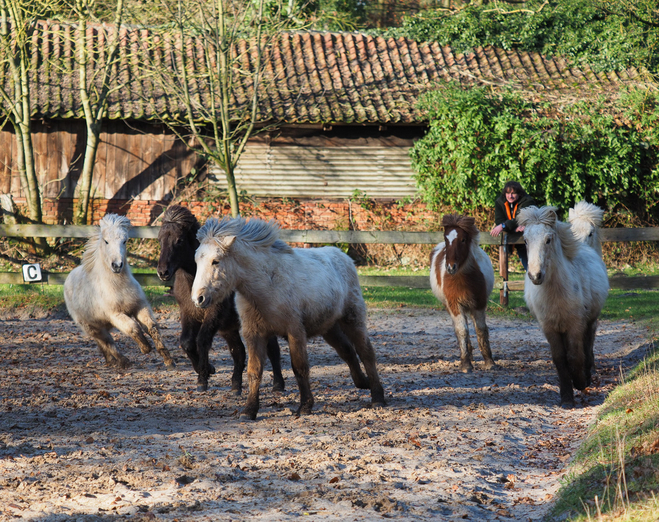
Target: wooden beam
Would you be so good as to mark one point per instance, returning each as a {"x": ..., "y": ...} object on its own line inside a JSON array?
[
  {"x": 318, "y": 236},
  {"x": 58, "y": 278}
]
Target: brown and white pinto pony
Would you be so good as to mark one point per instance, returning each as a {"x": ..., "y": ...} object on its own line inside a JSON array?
[{"x": 461, "y": 277}]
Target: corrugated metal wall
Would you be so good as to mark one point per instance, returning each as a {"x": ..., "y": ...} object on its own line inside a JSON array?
[{"x": 266, "y": 170}]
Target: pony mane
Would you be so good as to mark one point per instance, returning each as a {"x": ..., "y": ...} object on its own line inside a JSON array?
[
  {"x": 465, "y": 223},
  {"x": 584, "y": 211},
  {"x": 255, "y": 232},
  {"x": 108, "y": 222},
  {"x": 181, "y": 216},
  {"x": 547, "y": 216}
]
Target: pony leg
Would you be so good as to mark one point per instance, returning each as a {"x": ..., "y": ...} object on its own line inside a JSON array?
[
  {"x": 107, "y": 347},
  {"x": 483, "y": 335},
  {"x": 461, "y": 328},
  {"x": 588, "y": 344},
  {"x": 237, "y": 351},
  {"x": 577, "y": 357},
  {"x": 274, "y": 354},
  {"x": 256, "y": 346},
  {"x": 130, "y": 327},
  {"x": 297, "y": 344},
  {"x": 146, "y": 318},
  {"x": 358, "y": 335},
  {"x": 558, "y": 345},
  {"x": 338, "y": 340},
  {"x": 188, "y": 340}
]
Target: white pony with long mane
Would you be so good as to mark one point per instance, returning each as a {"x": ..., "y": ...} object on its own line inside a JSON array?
[
  {"x": 289, "y": 292},
  {"x": 565, "y": 289},
  {"x": 102, "y": 293},
  {"x": 586, "y": 220}
]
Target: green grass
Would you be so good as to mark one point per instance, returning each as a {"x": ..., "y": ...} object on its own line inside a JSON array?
[
  {"x": 629, "y": 305},
  {"x": 614, "y": 474}
]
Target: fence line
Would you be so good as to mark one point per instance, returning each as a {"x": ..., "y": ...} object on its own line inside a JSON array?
[
  {"x": 317, "y": 236},
  {"x": 334, "y": 237}
]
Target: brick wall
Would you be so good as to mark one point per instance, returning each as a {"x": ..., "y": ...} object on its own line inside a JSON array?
[{"x": 291, "y": 214}]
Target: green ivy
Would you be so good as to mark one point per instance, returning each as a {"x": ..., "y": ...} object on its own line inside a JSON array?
[
  {"x": 478, "y": 140},
  {"x": 583, "y": 30}
]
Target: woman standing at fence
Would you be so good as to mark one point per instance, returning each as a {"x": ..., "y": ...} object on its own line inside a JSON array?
[{"x": 513, "y": 198}]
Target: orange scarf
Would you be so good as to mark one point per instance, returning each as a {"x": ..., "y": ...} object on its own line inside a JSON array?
[{"x": 508, "y": 210}]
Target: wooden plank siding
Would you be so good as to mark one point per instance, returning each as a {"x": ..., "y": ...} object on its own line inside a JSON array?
[{"x": 141, "y": 161}]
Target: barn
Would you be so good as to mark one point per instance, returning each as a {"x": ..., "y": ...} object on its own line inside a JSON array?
[{"x": 340, "y": 111}]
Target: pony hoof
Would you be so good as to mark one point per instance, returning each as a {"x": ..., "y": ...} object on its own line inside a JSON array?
[
  {"x": 123, "y": 363},
  {"x": 304, "y": 410},
  {"x": 466, "y": 369},
  {"x": 237, "y": 391},
  {"x": 490, "y": 366},
  {"x": 566, "y": 405},
  {"x": 202, "y": 387},
  {"x": 170, "y": 366},
  {"x": 247, "y": 416},
  {"x": 278, "y": 386},
  {"x": 378, "y": 405},
  {"x": 211, "y": 369},
  {"x": 146, "y": 349}
]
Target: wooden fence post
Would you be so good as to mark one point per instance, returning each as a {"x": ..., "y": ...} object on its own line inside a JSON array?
[{"x": 503, "y": 269}]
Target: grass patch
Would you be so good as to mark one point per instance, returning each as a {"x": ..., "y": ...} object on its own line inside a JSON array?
[{"x": 615, "y": 474}]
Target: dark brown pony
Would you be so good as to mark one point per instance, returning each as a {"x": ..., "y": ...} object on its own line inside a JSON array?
[
  {"x": 178, "y": 242},
  {"x": 461, "y": 277}
]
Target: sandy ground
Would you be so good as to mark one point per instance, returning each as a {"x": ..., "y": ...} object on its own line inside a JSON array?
[{"x": 79, "y": 441}]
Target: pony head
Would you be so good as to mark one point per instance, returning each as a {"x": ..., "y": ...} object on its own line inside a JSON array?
[
  {"x": 215, "y": 271},
  {"x": 460, "y": 233},
  {"x": 178, "y": 241},
  {"x": 109, "y": 244},
  {"x": 586, "y": 220},
  {"x": 547, "y": 239}
]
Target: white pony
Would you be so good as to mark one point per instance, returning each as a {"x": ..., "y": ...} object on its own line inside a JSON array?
[
  {"x": 102, "y": 293},
  {"x": 565, "y": 289},
  {"x": 586, "y": 221},
  {"x": 289, "y": 292},
  {"x": 461, "y": 277}
]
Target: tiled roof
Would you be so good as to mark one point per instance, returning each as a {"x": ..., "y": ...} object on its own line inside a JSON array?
[{"x": 314, "y": 77}]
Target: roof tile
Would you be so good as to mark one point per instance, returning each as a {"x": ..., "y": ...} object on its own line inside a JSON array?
[{"x": 309, "y": 77}]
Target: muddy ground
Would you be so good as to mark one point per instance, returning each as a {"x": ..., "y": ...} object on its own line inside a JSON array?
[{"x": 79, "y": 441}]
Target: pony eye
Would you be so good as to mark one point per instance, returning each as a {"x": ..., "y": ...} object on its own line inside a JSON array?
[
  {"x": 215, "y": 262},
  {"x": 590, "y": 235},
  {"x": 106, "y": 241},
  {"x": 548, "y": 240}
]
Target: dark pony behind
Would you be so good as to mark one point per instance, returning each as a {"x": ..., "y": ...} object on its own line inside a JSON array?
[
  {"x": 461, "y": 277},
  {"x": 178, "y": 242}
]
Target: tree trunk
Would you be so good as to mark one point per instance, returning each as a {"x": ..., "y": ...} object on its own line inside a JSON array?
[{"x": 81, "y": 215}]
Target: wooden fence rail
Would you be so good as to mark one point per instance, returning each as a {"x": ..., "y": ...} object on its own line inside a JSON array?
[{"x": 332, "y": 237}]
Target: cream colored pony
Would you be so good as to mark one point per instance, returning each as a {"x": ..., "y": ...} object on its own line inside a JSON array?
[
  {"x": 296, "y": 293},
  {"x": 565, "y": 289},
  {"x": 102, "y": 293},
  {"x": 586, "y": 221}
]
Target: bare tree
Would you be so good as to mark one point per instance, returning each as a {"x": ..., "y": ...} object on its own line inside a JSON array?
[
  {"x": 212, "y": 68},
  {"x": 19, "y": 19},
  {"x": 97, "y": 77}
]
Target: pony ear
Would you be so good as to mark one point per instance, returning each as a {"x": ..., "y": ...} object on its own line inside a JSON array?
[{"x": 226, "y": 242}]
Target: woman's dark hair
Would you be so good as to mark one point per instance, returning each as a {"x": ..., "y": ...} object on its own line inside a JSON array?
[{"x": 514, "y": 186}]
